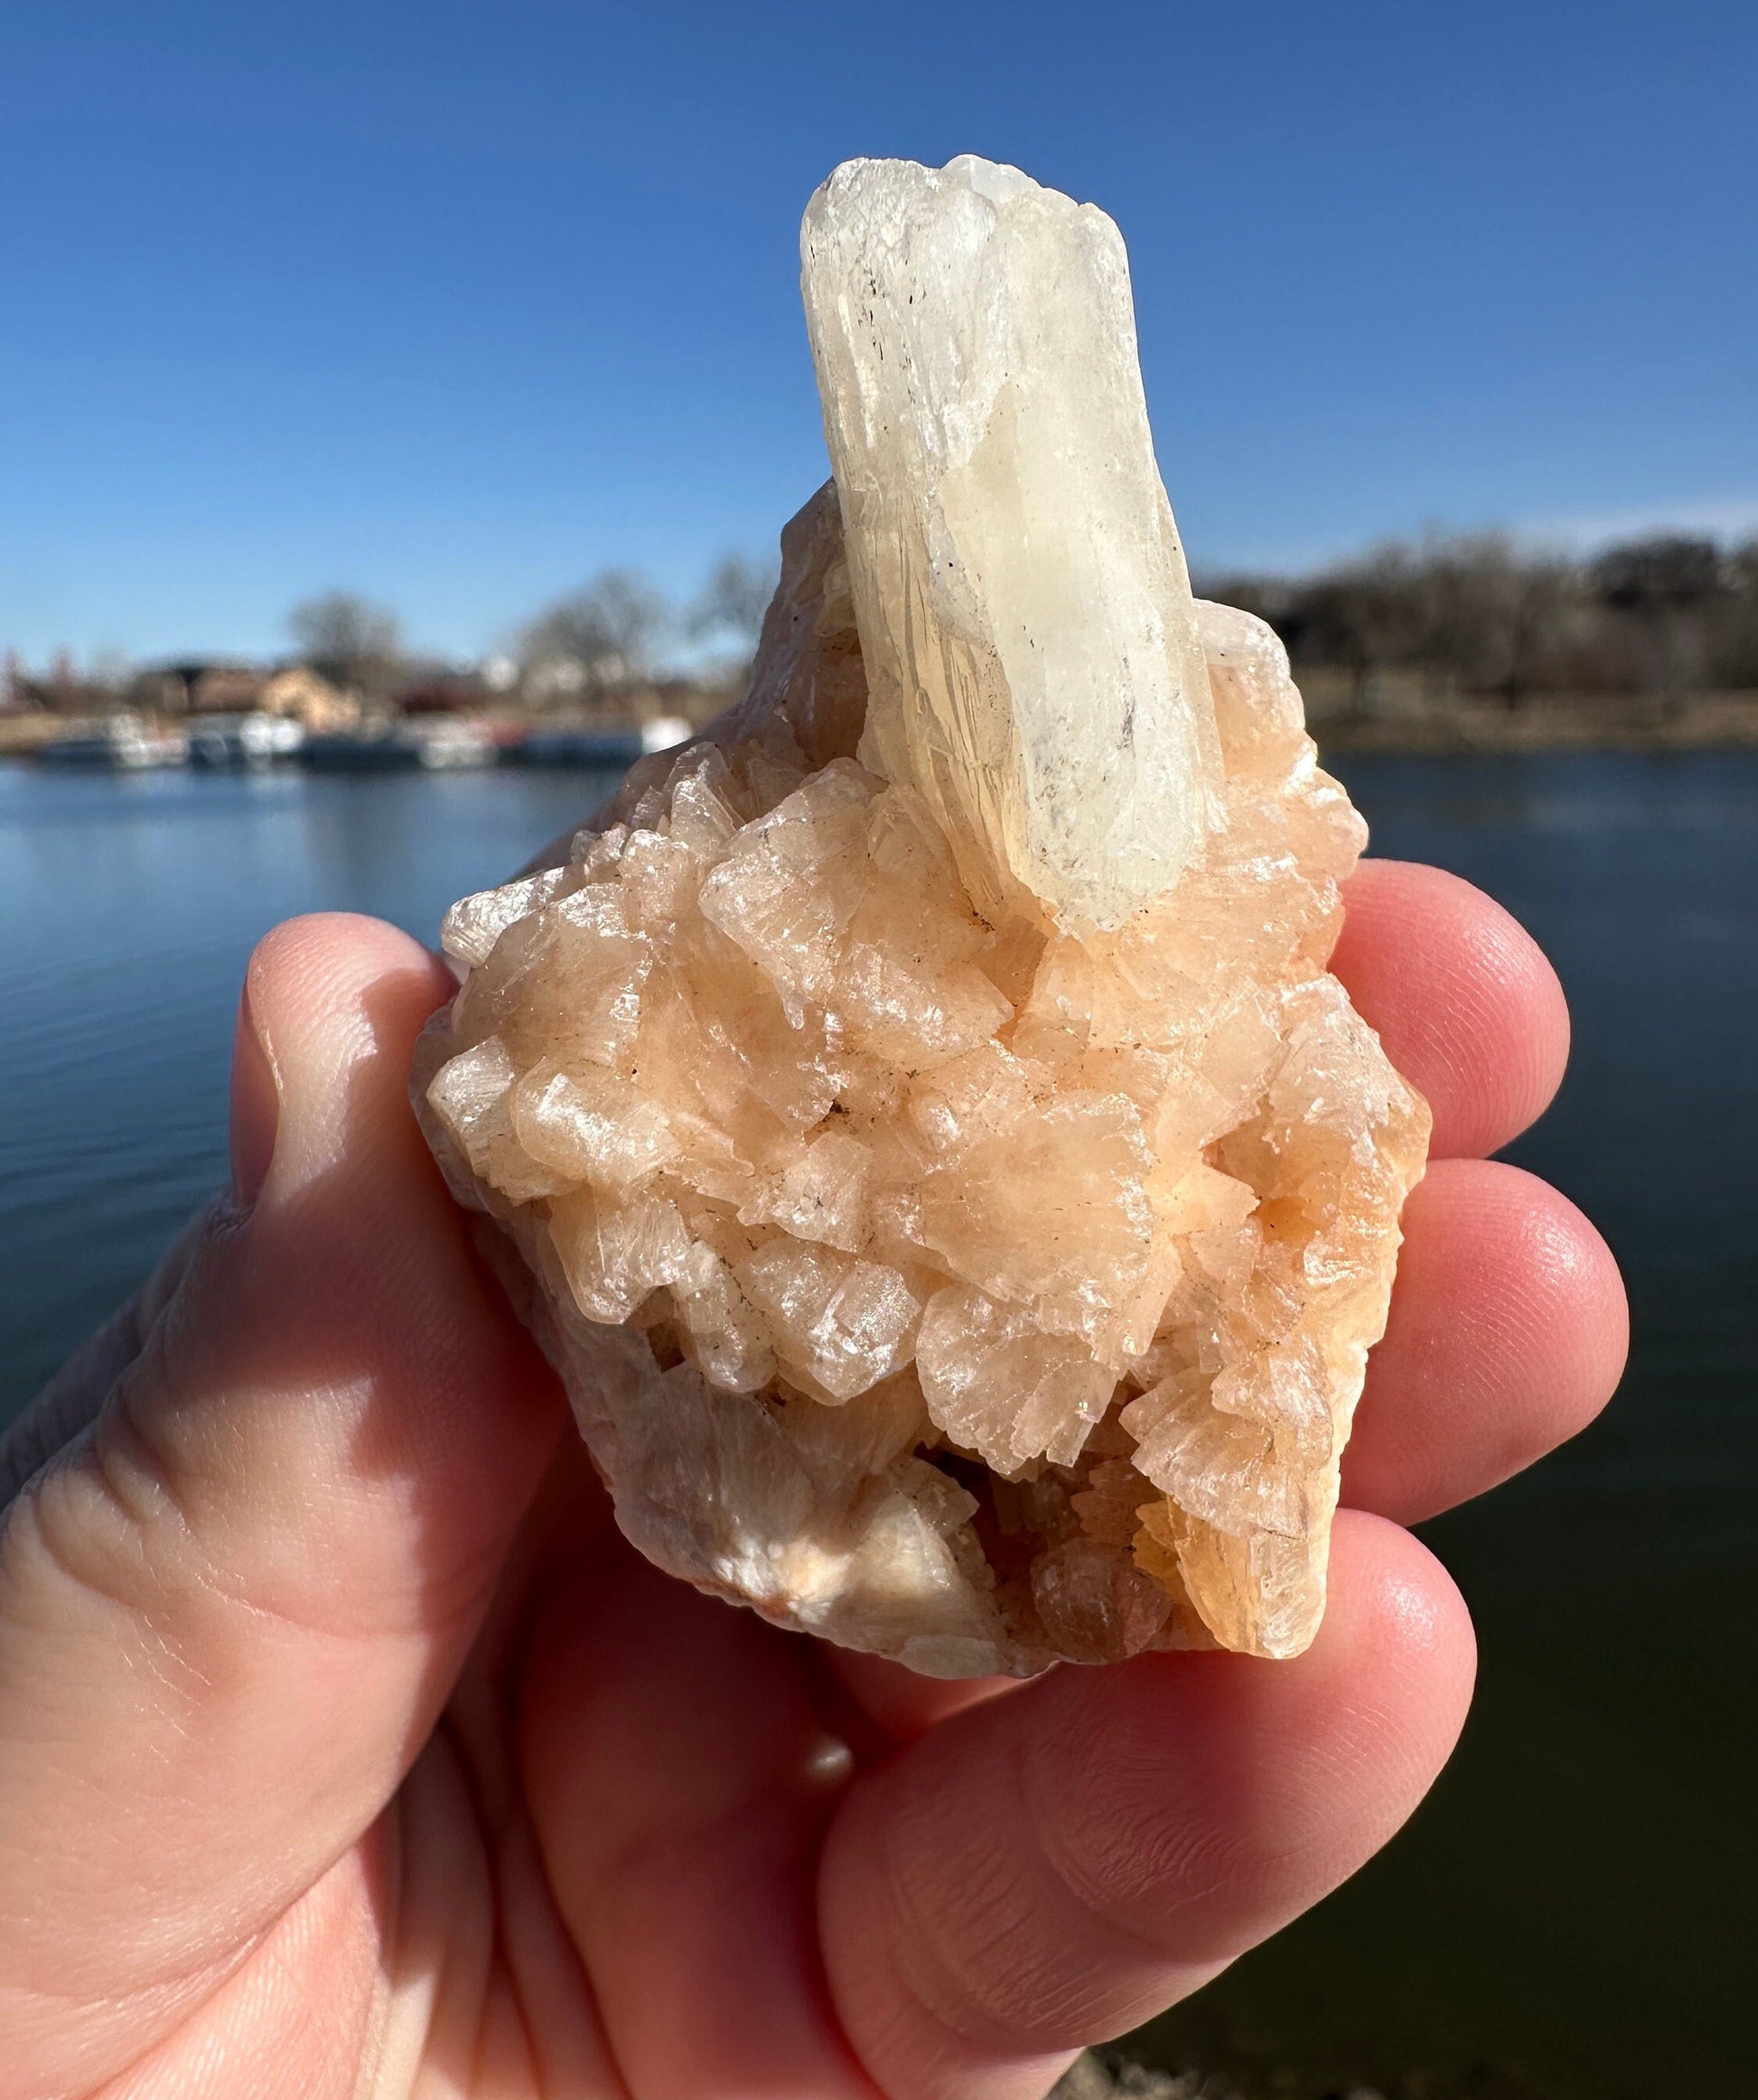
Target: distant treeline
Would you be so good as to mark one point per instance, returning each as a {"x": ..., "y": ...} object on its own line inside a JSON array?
[
  {"x": 585, "y": 653},
  {"x": 1409, "y": 626},
  {"x": 1481, "y": 615}
]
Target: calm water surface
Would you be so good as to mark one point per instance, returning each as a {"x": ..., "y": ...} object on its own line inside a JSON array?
[{"x": 1570, "y": 1916}]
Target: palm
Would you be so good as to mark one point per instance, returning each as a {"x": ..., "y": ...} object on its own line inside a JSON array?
[
  {"x": 653, "y": 1776},
  {"x": 445, "y": 1789}
]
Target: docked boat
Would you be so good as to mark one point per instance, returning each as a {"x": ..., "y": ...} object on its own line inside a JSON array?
[
  {"x": 580, "y": 747},
  {"x": 450, "y": 747},
  {"x": 231, "y": 742},
  {"x": 121, "y": 744},
  {"x": 347, "y": 753},
  {"x": 664, "y": 732}
]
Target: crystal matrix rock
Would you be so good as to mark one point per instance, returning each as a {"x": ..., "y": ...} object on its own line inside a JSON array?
[{"x": 961, "y": 1201}]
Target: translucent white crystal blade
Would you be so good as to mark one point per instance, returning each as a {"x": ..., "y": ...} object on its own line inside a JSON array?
[{"x": 1033, "y": 663}]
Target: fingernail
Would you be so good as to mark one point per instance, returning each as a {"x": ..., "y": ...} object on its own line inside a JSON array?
[{"x": 256, "y": 1106}]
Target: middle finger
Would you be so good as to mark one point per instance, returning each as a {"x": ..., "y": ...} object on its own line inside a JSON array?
[{"x": 1506, "y": 1336}]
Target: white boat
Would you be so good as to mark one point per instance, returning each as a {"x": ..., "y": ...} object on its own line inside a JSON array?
[
  {"x": 121, "y": 744},
  {"x": 661, "y": 732},
  {"x": 228, "y": 741},
  {"x": 448, "y": 747}
]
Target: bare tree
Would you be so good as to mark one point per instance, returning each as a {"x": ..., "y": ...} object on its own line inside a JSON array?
[
  {"x": 1734, "y": 640},
  {"x": 1478, "y": 613},
  {"x": 1484, "y": 615},
  {"x": 349, "y": 639},
  {"x": 1666, "y": 589},
  {"x": 601, "y": 637},
  {"x": 732, "y": 602}
]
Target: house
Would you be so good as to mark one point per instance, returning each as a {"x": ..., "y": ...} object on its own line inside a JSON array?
[
  {"x": 298, "y": 691},
  {"x": 199, "y": 688}
]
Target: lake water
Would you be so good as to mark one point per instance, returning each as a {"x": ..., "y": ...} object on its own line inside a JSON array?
[{"x": 1570, "y": 1916}]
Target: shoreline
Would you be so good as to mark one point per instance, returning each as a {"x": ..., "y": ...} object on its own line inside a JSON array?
[
  {"x": 1698, "y": 722},
  {"x": 1407, "y": 725}
]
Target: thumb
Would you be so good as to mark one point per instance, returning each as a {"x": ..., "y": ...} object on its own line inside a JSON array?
[{"x": 231, "y": 1608}]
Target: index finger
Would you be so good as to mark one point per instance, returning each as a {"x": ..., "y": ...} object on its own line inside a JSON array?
[{"x": 1461, "y": 996}]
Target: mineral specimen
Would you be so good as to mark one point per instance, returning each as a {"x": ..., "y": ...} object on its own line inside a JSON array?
[{"x": 960, "y": 1199}]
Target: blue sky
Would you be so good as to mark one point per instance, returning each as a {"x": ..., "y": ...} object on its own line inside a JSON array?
[{"x": 452, "y": 303}]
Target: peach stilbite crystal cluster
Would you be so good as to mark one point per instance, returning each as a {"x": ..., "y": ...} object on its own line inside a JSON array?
[{"x": 961, "y": 1202}]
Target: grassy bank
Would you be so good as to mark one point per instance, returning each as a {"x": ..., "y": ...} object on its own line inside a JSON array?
[{"x": 1409, "y": 719}]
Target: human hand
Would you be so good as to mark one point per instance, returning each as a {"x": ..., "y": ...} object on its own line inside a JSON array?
[{"x": 345, "y": 1748}]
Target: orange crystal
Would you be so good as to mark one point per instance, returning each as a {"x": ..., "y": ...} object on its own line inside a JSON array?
[{"x": 931, "y": 1266}]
